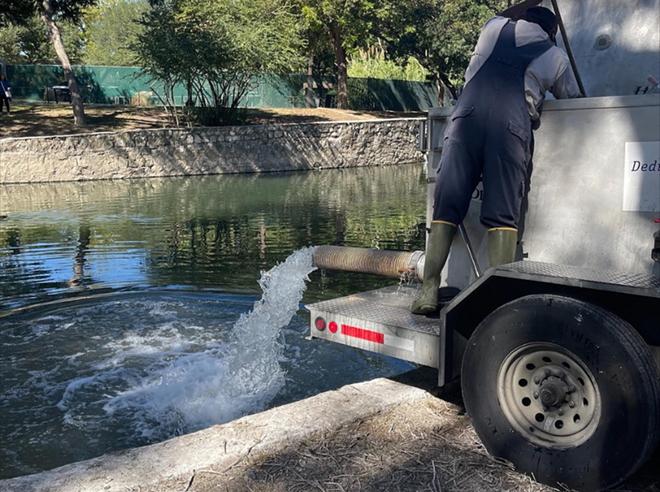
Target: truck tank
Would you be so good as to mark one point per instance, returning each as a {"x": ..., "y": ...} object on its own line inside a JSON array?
[{"x": 616, "y": 44}]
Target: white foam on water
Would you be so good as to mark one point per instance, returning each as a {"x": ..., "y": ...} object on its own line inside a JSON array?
[{"x": 226, "y": 381}]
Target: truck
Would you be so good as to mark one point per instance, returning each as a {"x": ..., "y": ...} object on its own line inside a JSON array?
[{"x": 558, "y": 353}]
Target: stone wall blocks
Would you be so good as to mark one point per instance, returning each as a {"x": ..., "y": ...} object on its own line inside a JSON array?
[{"x": 209, "y": 150}]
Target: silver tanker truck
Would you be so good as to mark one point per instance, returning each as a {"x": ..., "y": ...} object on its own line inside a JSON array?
[{"x": 558, "y": 353}]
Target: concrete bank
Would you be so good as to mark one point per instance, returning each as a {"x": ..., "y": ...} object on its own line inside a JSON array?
[
  {"x": 224, "y": 446},
  {"x": 218, "y": 150}
]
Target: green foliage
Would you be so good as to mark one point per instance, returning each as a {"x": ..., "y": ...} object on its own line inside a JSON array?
[
  {"x": 372, "y": 64},
  {"x": 66, "y": 9},
  {"x": 16, "y": 11},
  {"x": 215, "y": 48},
  {"x": 111, "y": 28},
  {"x": 354, "y": 19},
  {"x": 349, "y": 25},
  {"x": 28, "y": 43},
  {"x": 441, "y": 34}
]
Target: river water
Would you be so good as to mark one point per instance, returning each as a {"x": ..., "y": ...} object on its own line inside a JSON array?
[{"x": 127, "y": 308}]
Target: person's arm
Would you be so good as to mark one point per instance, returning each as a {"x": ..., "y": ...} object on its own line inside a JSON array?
[
  {"x": 515, "y": 12},
  {"x": 566, "y": 86}
]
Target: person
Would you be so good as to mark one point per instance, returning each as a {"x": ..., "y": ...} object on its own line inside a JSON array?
[
  {"x": 5, "y": 93},
  {"x": 489, "y": 136}
]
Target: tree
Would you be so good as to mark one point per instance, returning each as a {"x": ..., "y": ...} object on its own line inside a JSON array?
[
  {"x": 318, "y": 51},
  {"x": 441, "y": 34},
  {"x": 27, "y": 42},
  {"x": 16, "y": 11},
  {"x": 50, "y": 11},
  {"x": 111, "y": 28},
  {"x": 216, "y": 48},
  {"x": 349, "y": 25}
]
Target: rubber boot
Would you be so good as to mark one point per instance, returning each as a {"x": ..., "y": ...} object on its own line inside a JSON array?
[
  {"x": 437, "y": 251},
  {"x": 502, "y": 246}
]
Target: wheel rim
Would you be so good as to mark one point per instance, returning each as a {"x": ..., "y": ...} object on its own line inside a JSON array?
[{"x": 548, "y": 395}]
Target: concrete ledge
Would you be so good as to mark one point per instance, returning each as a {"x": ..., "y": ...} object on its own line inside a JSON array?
[
  {"x": 206, "y": 150},
  {"x": 225, "y": 445}
]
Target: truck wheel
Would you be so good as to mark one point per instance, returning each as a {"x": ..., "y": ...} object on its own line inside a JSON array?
[{"x": 563, "y": 389}]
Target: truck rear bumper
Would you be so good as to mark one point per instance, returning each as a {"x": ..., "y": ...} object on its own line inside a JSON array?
[{"x": 380, "y": 321}]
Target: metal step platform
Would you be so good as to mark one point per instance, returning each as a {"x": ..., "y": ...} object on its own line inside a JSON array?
[{"x": 379, "y": 321}]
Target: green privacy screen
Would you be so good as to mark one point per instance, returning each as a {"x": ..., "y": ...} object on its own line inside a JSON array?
[{"x": 126, "y": 85}]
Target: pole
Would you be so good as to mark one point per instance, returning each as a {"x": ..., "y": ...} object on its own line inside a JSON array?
[
  {"x": 569, "y": 51},
  {"x": 468, "y": 245}
]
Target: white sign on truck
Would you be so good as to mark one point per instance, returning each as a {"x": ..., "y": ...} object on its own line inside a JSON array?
[{"x": 641, "y": 179}]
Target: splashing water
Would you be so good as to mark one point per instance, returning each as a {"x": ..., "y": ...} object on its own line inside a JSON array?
[{"x": 225, "y": 381}]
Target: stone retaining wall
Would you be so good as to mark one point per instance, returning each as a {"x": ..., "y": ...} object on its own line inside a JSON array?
[{"x": 197, "y": 151}]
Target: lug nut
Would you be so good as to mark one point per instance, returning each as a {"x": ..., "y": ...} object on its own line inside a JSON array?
[
  {"x": 536, "y": 395},
  {"x": 571, "y": 388},
  {"x": 571, "y": 404},
  {"x": 561, "y": 412},
  {"x": 562, "y": 376},
  {"x": 537, "y": 380},
  {"x": 548, "y": 372}
]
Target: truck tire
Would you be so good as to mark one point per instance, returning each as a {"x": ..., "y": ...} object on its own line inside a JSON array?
[{"x": 563, "y": 389}]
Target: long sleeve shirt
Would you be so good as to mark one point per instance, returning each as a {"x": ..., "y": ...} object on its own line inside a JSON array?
[{"x": 549, "y": 72}]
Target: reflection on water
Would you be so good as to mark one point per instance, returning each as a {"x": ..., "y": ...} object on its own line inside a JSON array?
[
  {"x": 176, "y": 262},
  {"x": 206, "y": 232}
]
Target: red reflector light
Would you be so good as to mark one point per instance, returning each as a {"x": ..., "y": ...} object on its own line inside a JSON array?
[
  {"x": 319, "y": 323},
  {"x": 371, "y": 336},
  {"x": 332, "y": 327},
  {"x": 657, "y": 221}
]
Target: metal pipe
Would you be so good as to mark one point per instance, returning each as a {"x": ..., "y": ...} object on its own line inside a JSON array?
[
  {"x": 394, "y": 264},
  {"x": 468, "y": 245},
  {"x": 569, "y": 51}
]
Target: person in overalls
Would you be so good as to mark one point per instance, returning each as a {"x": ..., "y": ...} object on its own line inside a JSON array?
[{"x": 490, "y": 133}]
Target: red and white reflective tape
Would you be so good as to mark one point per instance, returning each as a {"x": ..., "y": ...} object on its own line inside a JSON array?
[{"x": 379, "y": 338}]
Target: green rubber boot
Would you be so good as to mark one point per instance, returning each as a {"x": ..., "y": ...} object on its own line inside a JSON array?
[
  {"x": 437, "y": 251},
  {"x": 502, "y": 246}
]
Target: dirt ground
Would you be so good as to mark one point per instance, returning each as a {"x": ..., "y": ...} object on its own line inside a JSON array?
[
  {"x": 427, "y": 445},
  {"x": 50, "y": 119}
]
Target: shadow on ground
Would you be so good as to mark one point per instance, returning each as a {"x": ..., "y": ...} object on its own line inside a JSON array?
[
  {"x": 428, "y": 445},
  {"x": 57, "y": 119}
]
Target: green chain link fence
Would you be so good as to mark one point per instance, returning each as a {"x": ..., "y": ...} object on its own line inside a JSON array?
[{"x": 127, "y": 85}]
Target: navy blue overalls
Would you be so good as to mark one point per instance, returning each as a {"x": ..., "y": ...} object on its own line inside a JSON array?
[{"x": 489, "y": 135}]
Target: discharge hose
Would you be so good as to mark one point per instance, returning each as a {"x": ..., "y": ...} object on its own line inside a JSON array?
[{"x": 395, "y": 264}]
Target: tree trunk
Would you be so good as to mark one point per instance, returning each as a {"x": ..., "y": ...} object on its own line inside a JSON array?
[
  {"x": 441, "y": 92},
  {"x": 342, "y": 68},
  {"x": 442, "y": 77},
  {"x": 56, "y": 38},
  {"x": 189, "y": 88},
  {"x": 309, "y": 93}
]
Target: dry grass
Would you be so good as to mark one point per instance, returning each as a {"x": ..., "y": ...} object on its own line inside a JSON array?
[
  {"x": 50, "y": 119},
  {"x": 425, "y": 446},
  {"x": 421, "y": 446}
]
